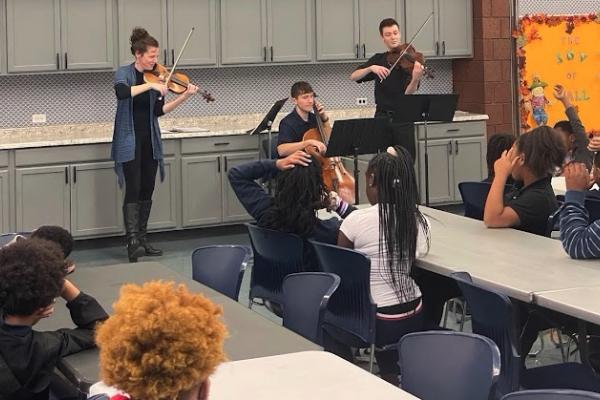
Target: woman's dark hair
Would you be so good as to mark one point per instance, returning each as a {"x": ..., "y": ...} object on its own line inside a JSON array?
[
  {"x": 31, "y": 276},
  {"x": 497, "y": 144},
  {"x": 544, "y": 150},
  {"x": 299, "y": 193},
  {"x": 56, "y": 234},
  {"x": 387, "y": 23},
  {"x": 399, "y": 216},
  {"x": 140, "y": 40}
]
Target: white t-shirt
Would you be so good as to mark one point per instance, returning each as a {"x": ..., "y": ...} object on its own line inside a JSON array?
[{"x": 362, "y": 228}]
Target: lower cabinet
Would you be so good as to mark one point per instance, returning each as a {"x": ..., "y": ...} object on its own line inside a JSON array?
[
  {"x": 165, "y": 199},
  {"x": 4, "y": 201}
]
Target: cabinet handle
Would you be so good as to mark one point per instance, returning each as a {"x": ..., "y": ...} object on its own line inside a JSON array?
[
  {"x": 364, "y": 50},
  {"x": 219, "y": 164},
  {"x": 165, "y": 56},
  {"x": 357, "y": 50},
  {"x": 221, "y": 143},
  {"x": 437, "y": 48},
  {"x": 265, "y": 53},
  {"x": 74, "y": 174},
  {"x": 172, "y": 56},
  {"x": 57, "y": 61},
  {"x": 66, "y": 61},
  {"x": 456, "y": 147},
  {"x": 271, "y": 53},
  {"x": 452, "y": 130},
  {"x": 450, "y": 147},
  {"x": 444, "y": 47},
  {"x": 66, "y": 175},
  {"x": 225, "y": 163}
]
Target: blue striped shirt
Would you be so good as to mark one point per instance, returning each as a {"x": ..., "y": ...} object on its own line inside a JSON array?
[{"x": 579, "y": 238}]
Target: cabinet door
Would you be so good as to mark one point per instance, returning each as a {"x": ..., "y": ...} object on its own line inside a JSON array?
[
  {"x": 232, "y": 208},
  {"x": 441, "y": 181},
  {"x": 4, "y": 199},
  {"x": 43, "y": 197},
  {"x": 372, "y": 12},
  {"x": 290, "y": 38},
  {"x": 201, "y": 190},
  {"x": 2, "y": 38},
  {"x": 200, "y": 14},
  {"x": 337, "y": 30},
  {"x": 165, "y": 198},
  {"x": 243, "y": 31},
  {"x": 456, "y": 28},
  {"x": 95, "y": 200},
  {"x": 87, "y": 42},
  {"x": 469, "y": 161},
  {"x": 33, "y": 35},
  {"x": 417, "y": 13},
  {"x": 362, "y": 181},
  {"x": 148, "y": 14}
]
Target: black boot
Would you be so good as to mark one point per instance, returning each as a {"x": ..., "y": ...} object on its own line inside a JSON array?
[
  {"x": 131, "y": 214},
  {"x": 145, "y": 207}
]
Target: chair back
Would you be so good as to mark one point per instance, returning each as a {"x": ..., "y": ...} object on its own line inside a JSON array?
[
  {"x": 553, "y": 223},
  {"x": 473, "y": 196},
  {"x": 448, "y": 365},
  {"x": 492, "y": 316},
  {"x": 305, "y": 298},
  {"x": 221, "y": 267},
  {"x": 6, "y": 238},
  {"x": 276, "y": 255},
  {"x": 593, "y": 208},
  {"x": 553, "y": 394},
  {"x": 351, "y": 312}
]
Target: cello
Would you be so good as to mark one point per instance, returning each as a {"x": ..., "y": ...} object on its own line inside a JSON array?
[{"x": 335, "y": 176}]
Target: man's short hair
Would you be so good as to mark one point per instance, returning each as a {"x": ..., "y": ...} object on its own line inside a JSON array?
[
  {"x": 387, "y": 23},
  {"x": 300, "y": 88}
]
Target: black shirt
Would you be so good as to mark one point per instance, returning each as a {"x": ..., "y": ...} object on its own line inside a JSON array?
[
  {"x": 393, "y": 87},
  {"x": 292, "y": 127},
  {"x": 533, "y": 204}
]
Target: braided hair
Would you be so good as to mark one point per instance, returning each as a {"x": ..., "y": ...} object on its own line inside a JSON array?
[{"x": 399, "y": 216}]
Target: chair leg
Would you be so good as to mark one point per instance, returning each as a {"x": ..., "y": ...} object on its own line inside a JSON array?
[
  {"x": 372, "y": 358},
  {"x": 463, "y": 316},
  {"x": 446, "y": 311}
]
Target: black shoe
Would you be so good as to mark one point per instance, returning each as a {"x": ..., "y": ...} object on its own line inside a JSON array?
[
  {"x": 131, "y": 214},
  {"x": 145, "y": 207}
]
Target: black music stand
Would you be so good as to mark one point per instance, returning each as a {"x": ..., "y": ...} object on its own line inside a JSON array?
[
  {"x": 352, "y": 137},
  {"x": 266, "y": 125},
  {"x": 425, "y": 108}
]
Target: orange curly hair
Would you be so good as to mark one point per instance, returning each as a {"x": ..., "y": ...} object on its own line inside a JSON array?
[{"x": 161, "y": 340}]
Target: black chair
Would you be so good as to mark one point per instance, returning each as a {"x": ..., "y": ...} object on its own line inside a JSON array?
[
  {"x": 6, "y": 238},
  {"x": 221, "y": 267},
  {"x": 448, "y": 365},
  {"x": 305, "y": 298},
  {"x": 474, "y": 195},
  {"x": 593, "y": 208},
  {"x": 556, "y": 394},
  {"x": 553, "y": 223},
  {"x": 276, "y": 255}
]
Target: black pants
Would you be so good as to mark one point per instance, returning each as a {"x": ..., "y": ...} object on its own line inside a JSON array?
[
  {"x": 436, "y": 290},
  {"x": 140, "y": 173},
  {"x": 403, "y": 133}
]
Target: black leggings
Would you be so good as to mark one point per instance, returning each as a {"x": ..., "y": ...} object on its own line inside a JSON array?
[{"x": 140, "y": 173}]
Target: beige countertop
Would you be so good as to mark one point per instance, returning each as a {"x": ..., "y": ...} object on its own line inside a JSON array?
[{"x": 64, "y": 135}]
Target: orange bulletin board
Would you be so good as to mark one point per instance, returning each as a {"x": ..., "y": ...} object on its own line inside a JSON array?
[{"x": 558, "y": 50}]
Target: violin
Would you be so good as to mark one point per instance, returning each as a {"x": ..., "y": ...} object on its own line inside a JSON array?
[
  {"x": 405, "y": 57},
  {"x": 335, "y": 176},
  {"x": 178, "y": 83}
]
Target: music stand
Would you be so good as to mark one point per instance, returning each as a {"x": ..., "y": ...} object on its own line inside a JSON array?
[
  {"x": 352, "y": 137},
  {"x": 425, "y": 108},
  {"x": 267, "y": 124}
]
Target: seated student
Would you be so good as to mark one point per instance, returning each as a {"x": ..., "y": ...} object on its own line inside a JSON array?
[
  {"x": 162, "y": 342},
  {"x": 392, "y": 232},
  {"x": 497, "y": 144},
  {"x": 572, "y": 131},
  {"x": 532, "y": 161},
  {"x": 32, "y": 275}
]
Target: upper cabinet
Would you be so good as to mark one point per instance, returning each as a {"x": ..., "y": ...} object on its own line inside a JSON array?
[
  {"x": 266, "y": 31},
  {"x": 449, "y": 33},
  {"x": 51, "y": 35},
  {"x": 349, "y": 29},
  {"x": 170, "y": 21}
]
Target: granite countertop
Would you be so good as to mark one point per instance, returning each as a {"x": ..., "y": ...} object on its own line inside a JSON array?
[{"x": 63, "y": 135}]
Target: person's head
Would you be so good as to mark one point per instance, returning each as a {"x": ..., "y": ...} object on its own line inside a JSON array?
[
  {"x": 566, "y": 132},
  {"x": 299, "y": 192},
  {"x": 32, "y": 275},
  {"x": 539, "y": 152},
  {"x": 390, "y": 33},
  {"x": 144, "y": 48},
  {"x": 495, "y": 147},
  {"x": 162, "y": 341},
  {"x": 392, "y": 184},
  {"x": 56, "y": 234},
  {"x": 303, "y": 96}
]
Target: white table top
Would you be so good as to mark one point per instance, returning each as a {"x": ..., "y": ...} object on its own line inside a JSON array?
[
  {"x": 299, "y": 376},
  {"x": 582, "y": 303},
  {"x": 559, "y": 185}
]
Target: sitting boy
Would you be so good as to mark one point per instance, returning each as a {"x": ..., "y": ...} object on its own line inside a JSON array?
[{"x": 32, "y": 275}]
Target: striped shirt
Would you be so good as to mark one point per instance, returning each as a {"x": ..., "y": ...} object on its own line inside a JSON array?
[{"x": 579, "y": 238}]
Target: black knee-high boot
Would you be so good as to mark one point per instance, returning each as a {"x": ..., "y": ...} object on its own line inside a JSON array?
[
  {"x": 131, "y": 215},
  {"x": 145, "y": 207}
]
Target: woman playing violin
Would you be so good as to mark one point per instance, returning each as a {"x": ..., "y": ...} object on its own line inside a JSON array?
[{"x": 137, "y": 147}]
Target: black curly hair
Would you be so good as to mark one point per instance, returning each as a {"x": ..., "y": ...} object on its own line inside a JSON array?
[
  {"x": 31, "y": 276},
  {"x": 56, "y": 234}
]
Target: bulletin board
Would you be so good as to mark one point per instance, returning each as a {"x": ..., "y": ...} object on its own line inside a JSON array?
[{"x": 562, "y": 50}]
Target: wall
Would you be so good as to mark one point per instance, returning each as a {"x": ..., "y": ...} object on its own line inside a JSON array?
[{"x": 558, "y": 7}]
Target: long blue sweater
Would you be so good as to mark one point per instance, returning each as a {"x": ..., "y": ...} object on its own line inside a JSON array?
[{"x": 579, "y": 238}]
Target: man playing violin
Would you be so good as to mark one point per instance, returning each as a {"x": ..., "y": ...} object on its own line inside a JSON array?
[{"x": 300, "y": 120}]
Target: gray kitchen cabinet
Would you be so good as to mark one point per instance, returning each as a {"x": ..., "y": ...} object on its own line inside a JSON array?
[
  {"x": 349, "y": 29},
  {"x": 261, "y": 31},
  {"x": 469, "y": 161},
  {"x": 232, "y": 209},
  {"x": 4, "y": 201},
  {"x": 2, "y": 38},
  {"x": 441, "y": 181},
  {"x": 182, "y": 16},
  {"x": 52, "y": 35},
  {"x": 166, "y": 198},
  {"x": 201, "y": 190},
  {"x": 448, "y": 34}
]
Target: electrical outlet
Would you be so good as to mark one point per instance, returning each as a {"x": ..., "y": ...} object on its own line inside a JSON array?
[
  {"x": 361, "y": 101},
  {"x": 38, "y": 118}
]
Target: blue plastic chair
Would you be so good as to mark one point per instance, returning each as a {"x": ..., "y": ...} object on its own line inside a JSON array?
[
  {"x": 5, "y": 238},
  {"x": 448, "y": 365},
  {"x": 351, "y": 312},
  {"x": 492, "y": 316},
  {"x": 593, "y": 209},
  {"x": 276, "y": 255},
  {"x": 474, "y": 195},
  {"x": 221, "y": 267},
  {"x": 305, "y": 298},
  {"x": 556, "y": 394}
]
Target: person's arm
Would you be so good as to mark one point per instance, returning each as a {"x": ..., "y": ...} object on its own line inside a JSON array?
[
  {"x": 581, "y": 154},
  {"x": 343, "y": 241},
  {"x": 415, "y": 80},
  {"x": 369, "y": 71},
  {"x": 287, "y": 144},
  {"x": 495, "y": 213},
  {"x": 347, "y": 232},
  {"x": 176, "y": 102}
]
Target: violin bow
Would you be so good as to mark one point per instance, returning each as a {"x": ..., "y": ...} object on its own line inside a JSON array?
[
  {"x": 411, "y": 42},
  {"x": 179, "y": 55}
]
